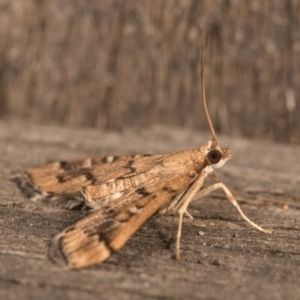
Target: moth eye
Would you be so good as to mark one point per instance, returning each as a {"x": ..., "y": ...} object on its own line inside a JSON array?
[{"x": 214, "y": 156}]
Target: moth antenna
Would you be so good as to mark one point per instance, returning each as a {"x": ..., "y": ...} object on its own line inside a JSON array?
[{"x": 204, "y": 52}]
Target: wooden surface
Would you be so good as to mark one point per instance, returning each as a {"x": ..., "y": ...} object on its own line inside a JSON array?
[
  {"x": 138, "y": 63},
  {"x": 222, "y": 257}
]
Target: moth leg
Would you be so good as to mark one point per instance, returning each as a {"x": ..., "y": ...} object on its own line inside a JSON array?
[
  {"x": 189, "y": 215},
  {"x": 186, "y": 199},
  {"x": 231, "y": 199},
  {"x": 213, "y": 177}
]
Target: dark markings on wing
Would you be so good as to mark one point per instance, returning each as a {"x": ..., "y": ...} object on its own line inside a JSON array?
[
  {"x": 70, "y": 200},
  {"x": 104, "y": 160},
  {"x": 94, "y": 238},
  {"x": 168, "y": 189},
  {"x": 129, "y": 166},
  {"x": 142, "y": 191},
  {"x": 89, "y": 176},
  {"x": 64, "y": 165},
  {"x": 68, "y": 175},
  {"x": 53, "y": 181},
  {"x": 70, "y": 165},
  {"x": 25, "y": 184},
  {"x": 60, "y": 251}
]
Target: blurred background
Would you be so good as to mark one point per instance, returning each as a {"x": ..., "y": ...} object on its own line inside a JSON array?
[{"x": 114, "y": 64}]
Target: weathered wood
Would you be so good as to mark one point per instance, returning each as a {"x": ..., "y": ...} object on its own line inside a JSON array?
[
  {"x": 222, "y": 257},
  {"x": 137, "y": 63}
]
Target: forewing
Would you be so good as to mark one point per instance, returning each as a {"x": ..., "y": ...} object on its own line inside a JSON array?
[
  {"x": 93, "y": 239},
  {"x": 63, "y": 180}
]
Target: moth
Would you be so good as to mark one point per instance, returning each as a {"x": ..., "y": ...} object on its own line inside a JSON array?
[{"x": 123, "y": 192}]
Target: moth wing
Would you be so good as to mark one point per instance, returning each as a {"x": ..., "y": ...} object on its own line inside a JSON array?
[
  {"x": 93, "y": 239},
  {"x": 61, "y": 182}
]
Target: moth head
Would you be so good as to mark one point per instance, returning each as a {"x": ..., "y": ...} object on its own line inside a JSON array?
[{"x": 215, "y": 156}]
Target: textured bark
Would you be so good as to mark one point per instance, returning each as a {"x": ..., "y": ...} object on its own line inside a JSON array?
[{"x": 114, "y": 63}]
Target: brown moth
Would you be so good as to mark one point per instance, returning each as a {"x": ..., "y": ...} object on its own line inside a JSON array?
[{"x": 124, "y": 192}]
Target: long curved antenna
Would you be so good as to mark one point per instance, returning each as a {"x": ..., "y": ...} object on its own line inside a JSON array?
[{"x": 204, "y": 52}]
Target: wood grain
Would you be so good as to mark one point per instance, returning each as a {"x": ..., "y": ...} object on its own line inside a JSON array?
[{"x": 222, "y": 257}]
